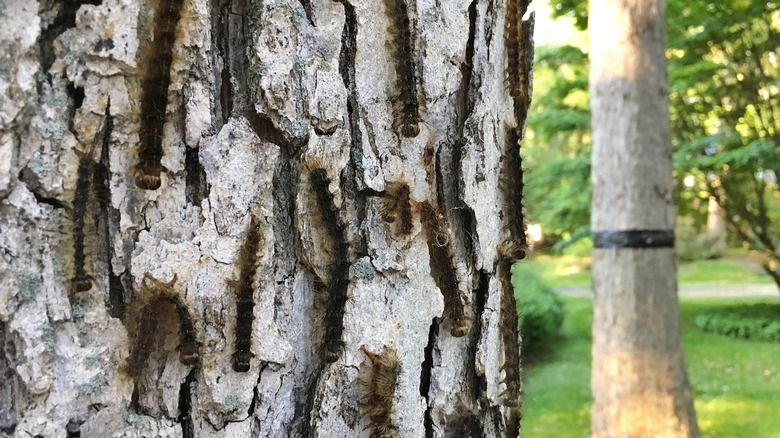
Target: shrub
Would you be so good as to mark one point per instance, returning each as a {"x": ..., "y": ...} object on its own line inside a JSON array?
[
  {"x": 756, "y": 321},
  {"x": 540, "y": 310}
]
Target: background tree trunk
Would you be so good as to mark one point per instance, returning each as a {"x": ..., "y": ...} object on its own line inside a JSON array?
[
  {"x": 639, "y": 381},
  {"x": 287, "y": 145}
]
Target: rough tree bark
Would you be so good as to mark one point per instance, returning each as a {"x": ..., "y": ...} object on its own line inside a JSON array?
[
  {"x": 639, "y": 380},
  {"x": 298, "y": 196}
]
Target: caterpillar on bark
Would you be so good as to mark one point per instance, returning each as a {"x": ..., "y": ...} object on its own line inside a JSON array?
[
  {"x": 510, "y": 337},
  {"x": 81, "y": 281},
  {"x": 443, "y": 268},
  {"x": 406, "y": 105},
  {"x": 397, "y": 205},
  {"x": 247, "y": 264},
  {"x": 337, "y": 283},
  {"x": 378, "y": 381},
  {"x": 511, "y": 184},
  {"x": 157, "y": 294},
  {"x": 156, "y": 58}
]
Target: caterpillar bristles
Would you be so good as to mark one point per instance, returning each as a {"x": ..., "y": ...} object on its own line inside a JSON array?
[
  {"x": 248, "y": 261},
  {"x": 443, "y": 268},
  {"x": 406, "y": 106},
  {"x": 155, "y": 60},
  {"x": 510, "y": 337},
  {"x": 156, "y": 293},
  {"x": 81, "y": 281},
  {"x": 397, "y": 205},
  {"x": 333, "y": 291},
  {"x": 379, "y": 381}
]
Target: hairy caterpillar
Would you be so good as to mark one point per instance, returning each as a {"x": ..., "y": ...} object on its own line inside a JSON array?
[
  {"x": 512, "y": 41},
  {"x": 379, "y": 381},
  {"x": 245, "y": 304},
  {"x": 157, "y": 57},
  {"x": 81, "y": 281},
  {"x": 511, "y": 181},
  {"x": 338, "y": 279},
  {"x": 159, "y": 293},
  {"x": 397, "y": 204},
  {"x": 510, "y": 337},
  {"x": 406, "y": 106},
  {"x": 443, "y": 268}
]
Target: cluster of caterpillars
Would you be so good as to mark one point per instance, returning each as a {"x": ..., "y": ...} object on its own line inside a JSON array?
[
  {"x": 398, "y": 208},
  {"x": 155, "y": 294},
  {"x": 156, "y": 58},
  {"x": 515, "y": 246},
  {"x": 406, "y": 102},
  {"x": 334, "y": 287}
]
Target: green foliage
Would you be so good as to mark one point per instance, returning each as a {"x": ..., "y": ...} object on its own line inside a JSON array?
[
  {"x": 724, "y": 78},
  {"x": 540, "y": 310},
  {"x": 557, "y": 185},
  {"x": 755, "y": 321}
]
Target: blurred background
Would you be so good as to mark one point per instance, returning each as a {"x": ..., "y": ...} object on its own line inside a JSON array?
[{"x": 725, "y": 115}]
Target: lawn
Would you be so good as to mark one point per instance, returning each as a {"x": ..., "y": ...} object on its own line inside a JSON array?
[
  {"x": 570, "y": 271},
  {"x": 736, "y": 383}
]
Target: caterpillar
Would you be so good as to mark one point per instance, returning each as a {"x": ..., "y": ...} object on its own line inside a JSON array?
[
  {"x": 159, "y": 293},
  {"x": 512, "y": 42},
  {"x": 156, "y": 58},
  {"x": 336, "y": 286},
  {"x": 406, "y": 107},
  {"x": 81, "y": 281},
  {"x": 519, "y": 34},
  {"x": 511, "y": 184},
  {"x": 145, "y": 338},
  {"x": 397, "y": 204},
  {"x": 443, "y": 268},
  {"x": 247, "y": 264},
  {"x": 510, "y": 337},
  {"x": 378, "y": 381}
]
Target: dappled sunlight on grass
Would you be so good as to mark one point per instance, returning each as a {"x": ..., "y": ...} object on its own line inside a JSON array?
[
  {"x": 729, "y": 417},
  {"x": 735, "y": 382}
]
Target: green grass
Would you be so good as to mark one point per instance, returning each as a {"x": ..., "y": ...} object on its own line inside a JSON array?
[
  {"x": 736, "y": 383},
  {"x": 570, "y": 271}
]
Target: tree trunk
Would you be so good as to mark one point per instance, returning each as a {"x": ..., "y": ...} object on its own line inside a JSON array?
[
  {"x": 299, "y": 197},
  {"x": 640, "y": 386}
]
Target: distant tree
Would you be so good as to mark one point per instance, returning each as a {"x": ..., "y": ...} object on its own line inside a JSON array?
[
  {"x": 639, "y": 380},
  {"x": 725, "y": 114}
]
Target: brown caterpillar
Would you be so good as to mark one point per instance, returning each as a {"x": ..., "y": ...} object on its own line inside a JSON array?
[
  {"x": 516, "y": 34},
  {"x": 156, "y": 58},
  {"x": 406, "y": 106},
  {"x": 510, "y": 337},
  {"x": 443, "y": 268},
  {"x": 397, "y": 204},
  {"x": 245, "y": 303},
  {"x": 512, "y": 41},
  {"x": 338, "y": 279},
  {"x": 378, "y": 382},
  {"x": 146, "y": 336},
  {"x": 511, "y": 183},
  {"x": 81, "y": 281}
]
